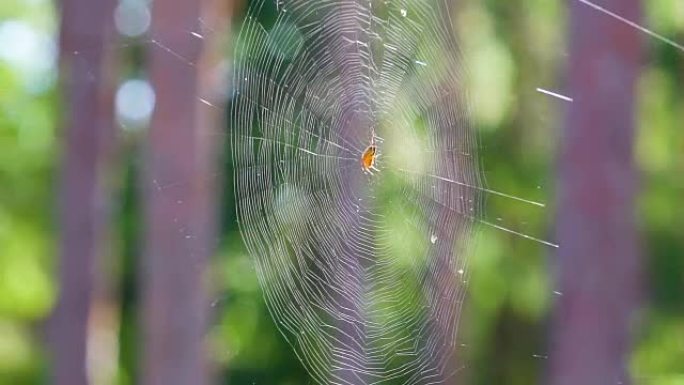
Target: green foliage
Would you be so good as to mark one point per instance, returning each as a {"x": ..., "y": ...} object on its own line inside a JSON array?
[{"x": 27, "y": 160}]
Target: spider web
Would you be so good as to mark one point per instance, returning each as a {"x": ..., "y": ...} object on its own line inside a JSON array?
[{"x": 363, "y": 274}]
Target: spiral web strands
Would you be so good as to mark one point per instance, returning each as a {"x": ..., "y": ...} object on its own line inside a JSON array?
[{"x": 362, "y": 270}]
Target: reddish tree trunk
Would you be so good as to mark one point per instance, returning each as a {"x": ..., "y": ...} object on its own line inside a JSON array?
[
  {"x": 85, "y": 32},
  {"x": 178, "y": 205},
  {"x": 211, "y": 121},
  {"x": 598, "y": 258}
]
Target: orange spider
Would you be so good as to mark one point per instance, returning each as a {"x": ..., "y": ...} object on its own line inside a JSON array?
[{"x": 369, "y": 156}]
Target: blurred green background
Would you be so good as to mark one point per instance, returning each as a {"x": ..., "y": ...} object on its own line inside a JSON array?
[{"x": 511, "y": 48}]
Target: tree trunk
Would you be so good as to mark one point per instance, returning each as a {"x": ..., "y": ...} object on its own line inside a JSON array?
[
  {"x": 598, "y": 259},
  {"x": 178, "y": 202},
  {"x": 214, "y": 71},
  {"x": 85, "y": 31}
]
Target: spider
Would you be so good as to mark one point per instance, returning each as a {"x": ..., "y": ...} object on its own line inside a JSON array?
[{"x": 369, "y": 156}]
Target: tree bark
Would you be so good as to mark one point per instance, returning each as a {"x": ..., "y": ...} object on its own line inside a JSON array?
[
  {"x": 178, "y": 204},
  {"x": 599, "y": 270},
  {"x": 214, "y": 69},
  {"x": 84, "y": 33}
]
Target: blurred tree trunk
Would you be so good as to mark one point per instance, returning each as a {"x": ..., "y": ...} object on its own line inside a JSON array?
[
  {"x": 599, "y": 270},
  {"x": 85, "y": 31},
  {"x": 179, "y": 202},
  {"x": 214, "y": 72},
  {"x": 104, "y": 314}
]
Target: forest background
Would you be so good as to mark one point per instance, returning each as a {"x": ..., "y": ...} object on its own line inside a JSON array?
[{"x": 512, "y": 49}]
